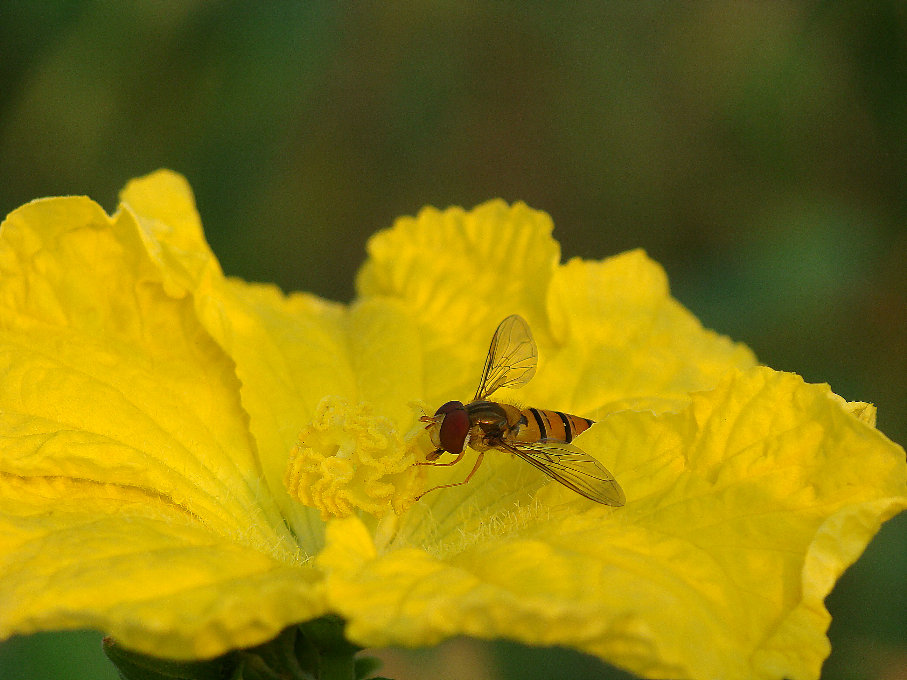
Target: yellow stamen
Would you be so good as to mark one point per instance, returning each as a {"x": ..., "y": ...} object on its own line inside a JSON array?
[{"x": 347, "y": 459}]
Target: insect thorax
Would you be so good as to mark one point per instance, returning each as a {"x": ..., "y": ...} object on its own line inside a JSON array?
[{"x": 491, "y": 421}]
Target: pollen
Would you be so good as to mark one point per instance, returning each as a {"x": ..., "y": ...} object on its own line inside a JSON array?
[{"x": 348, "y": 459}]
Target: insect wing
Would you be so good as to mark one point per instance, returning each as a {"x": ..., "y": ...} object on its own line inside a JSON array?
[
  {"x": 511, "y": 359},
  {"x": 572, "y": 467}
]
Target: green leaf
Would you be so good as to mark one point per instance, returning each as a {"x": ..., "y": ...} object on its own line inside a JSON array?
[
  {"x": 365, "y": 666},
  {"x": 314, "y": 650},
  {"x": 135, "y": 666}
]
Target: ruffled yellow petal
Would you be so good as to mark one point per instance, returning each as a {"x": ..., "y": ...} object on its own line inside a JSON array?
[
  {"x": 288, "y": 352},
  {"x": 121, "y": 416},
  {"x": 163, "y": 205},
  {"x": 113, "y": 559},
  {"x": 743, "y": 510},
  {"x": 388, "y": 358},
  {"x": 621, "y": 340},
  {"x": 609, "y": 334},
  {"x": 457, "y": 274}
]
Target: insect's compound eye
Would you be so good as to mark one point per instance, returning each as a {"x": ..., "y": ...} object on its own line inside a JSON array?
[
  {"x": 454, "y": 428},
  {"x": 448, "y": 407}
]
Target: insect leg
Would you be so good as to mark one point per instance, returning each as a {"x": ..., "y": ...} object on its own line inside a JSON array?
[
  {"x": 430, "y": 458},
  {"x": 447, "y": 486},
  {"x": 433, "y": 456}
]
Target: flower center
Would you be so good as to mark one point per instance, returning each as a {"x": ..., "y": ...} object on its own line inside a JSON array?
[{"x": 347, "y": 459}]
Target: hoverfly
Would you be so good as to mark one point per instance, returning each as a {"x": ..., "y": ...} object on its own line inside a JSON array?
[{"x": 540, "y": 437}]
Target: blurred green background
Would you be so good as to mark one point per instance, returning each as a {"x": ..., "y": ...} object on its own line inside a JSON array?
[{"x": 757, "y": 150}]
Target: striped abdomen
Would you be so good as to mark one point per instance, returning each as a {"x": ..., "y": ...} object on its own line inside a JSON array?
[{"x": 552, "y": 425}]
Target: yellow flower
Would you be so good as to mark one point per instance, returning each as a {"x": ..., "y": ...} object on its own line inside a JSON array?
[{"x": 192, "y": 463}]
